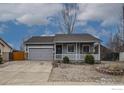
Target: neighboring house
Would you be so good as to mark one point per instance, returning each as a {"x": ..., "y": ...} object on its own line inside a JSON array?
[
  {"x": 5, "y": 49},
  {"x": 75, "y": 46},
  {"x": 104, "y": 52},
  {"x": 121, "y": 53}
]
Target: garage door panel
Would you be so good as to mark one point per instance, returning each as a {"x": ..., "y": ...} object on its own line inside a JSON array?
[{"x": 40, "y": 54}]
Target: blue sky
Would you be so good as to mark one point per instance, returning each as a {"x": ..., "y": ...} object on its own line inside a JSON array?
[{"x": 28, "y": 20}]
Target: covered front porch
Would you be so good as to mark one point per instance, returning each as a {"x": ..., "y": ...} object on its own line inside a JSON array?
[{"x": 76, "y": 50}]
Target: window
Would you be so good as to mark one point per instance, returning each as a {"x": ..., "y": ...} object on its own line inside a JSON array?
[
  {"x": 71, "y": 48},
  {"x": 86, "y": 49}
]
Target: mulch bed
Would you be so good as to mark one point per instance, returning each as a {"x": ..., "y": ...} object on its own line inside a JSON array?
[{"x": 106, "y": 70}]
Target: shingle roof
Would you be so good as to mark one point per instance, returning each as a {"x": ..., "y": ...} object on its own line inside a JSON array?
[
  {"x": 61, "y": 38},
  {"x": 5, "y": 43},
  {"x": 75, "y": 37},
  {"x": 40, "y": 39}
]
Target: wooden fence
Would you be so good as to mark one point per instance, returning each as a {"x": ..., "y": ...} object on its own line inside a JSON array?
[{"x": 20, "y": 55}]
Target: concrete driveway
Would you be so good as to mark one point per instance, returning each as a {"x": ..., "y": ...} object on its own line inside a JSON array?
[{"x": 25, "y": 72}]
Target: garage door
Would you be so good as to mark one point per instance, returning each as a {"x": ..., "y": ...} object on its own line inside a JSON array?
[{"x": 40, "y": 54}]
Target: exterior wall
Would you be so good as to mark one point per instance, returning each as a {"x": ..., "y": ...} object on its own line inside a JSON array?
[
  {"x": 79, "y": 48},
  {"x": 121, "y": 56},
  {"x": 77, "y": 55},
  {"x": 6, "y": 56},
  {"x": 2, "y": 48},
  {"x": 5, "y": 51},
  {"x": 5, "y": 48}
]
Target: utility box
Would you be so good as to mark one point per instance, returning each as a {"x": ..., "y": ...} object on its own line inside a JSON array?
[{"x": 121, "y": 56}]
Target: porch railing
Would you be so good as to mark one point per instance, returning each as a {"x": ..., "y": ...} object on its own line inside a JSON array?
[{"x": 75, "y": 56}]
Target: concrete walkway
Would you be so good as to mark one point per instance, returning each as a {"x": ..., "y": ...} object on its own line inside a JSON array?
[{"x": 25, "y": 72}]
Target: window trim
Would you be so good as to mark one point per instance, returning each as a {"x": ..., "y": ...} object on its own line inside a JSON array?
[
  {"x": 68, "y": 48},
  {"x": 83, "y": 48}
]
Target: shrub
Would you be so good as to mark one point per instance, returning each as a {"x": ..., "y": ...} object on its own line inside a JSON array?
[
  {"x": 66, "y": 60},
  {"x": 89, "y": 59},
  {"x": 1, "y": 60}
]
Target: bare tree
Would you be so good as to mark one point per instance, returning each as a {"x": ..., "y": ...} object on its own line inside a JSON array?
[
  {"x": 68, "y": 17},
  {"x": 116, "y": 41},
  {"x": 110, "y": 42}
]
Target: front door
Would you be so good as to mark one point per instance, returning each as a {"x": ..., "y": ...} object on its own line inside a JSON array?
[{"x": 58, "y": 49}]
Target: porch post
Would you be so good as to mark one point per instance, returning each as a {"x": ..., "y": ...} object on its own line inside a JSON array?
[
  {"x": 79, "y": 52},
  {"x": 54, "y": 51},
  {"x": 62, "y": 51},
  {"x": 76, "y": 50},
  {"x": 99, "y": 51}
]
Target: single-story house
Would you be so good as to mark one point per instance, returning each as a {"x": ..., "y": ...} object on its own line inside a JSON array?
[
  {"x": 75, "y": 46},
  {"x": 5, "y": 49}
]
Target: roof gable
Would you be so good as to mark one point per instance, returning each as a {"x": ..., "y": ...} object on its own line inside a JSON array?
[
  {"x": 62, "y": 38},
  {"x": 75, "y": 37},
  {"x": 4, "y": 43},
  {"x": 40, "y": 39}
]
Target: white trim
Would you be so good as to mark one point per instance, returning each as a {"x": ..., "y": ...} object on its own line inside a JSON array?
[
  {"x": 39, "y": 43},
  {"x": 73, "y": 56},
  {"x": 55, "y": 50},
  {"x": 75, "y": 41},
  {"x": 79, "y": 49},
  {"x": 83, "y": 48},
  {"x": 26, "y": 48},
  {"x": 62, "y": 50},
  {"x": 67, "y": 48},
  {"x": 76, "y": 51},
  {"x": 42, "y": 46},
  {"x": 54, "y": 53},
  {"x": 99, "y": 51}
]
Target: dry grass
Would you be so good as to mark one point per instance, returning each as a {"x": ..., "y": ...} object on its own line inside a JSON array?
[{"x": 83, "y": 73}]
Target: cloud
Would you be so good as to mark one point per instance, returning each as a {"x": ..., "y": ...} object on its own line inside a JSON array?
[
  {"x": 48, "y": 33},
  {"x": 98, "y": 33},
  {"x": 30, "y": 14},
  {"x": 39, "y": 14},
  {"x": 109, "y": 14},
  {"x": 3, "y": 28}
]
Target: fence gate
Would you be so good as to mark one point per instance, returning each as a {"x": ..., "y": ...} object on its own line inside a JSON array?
[{"x": 18, "y": 56}]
